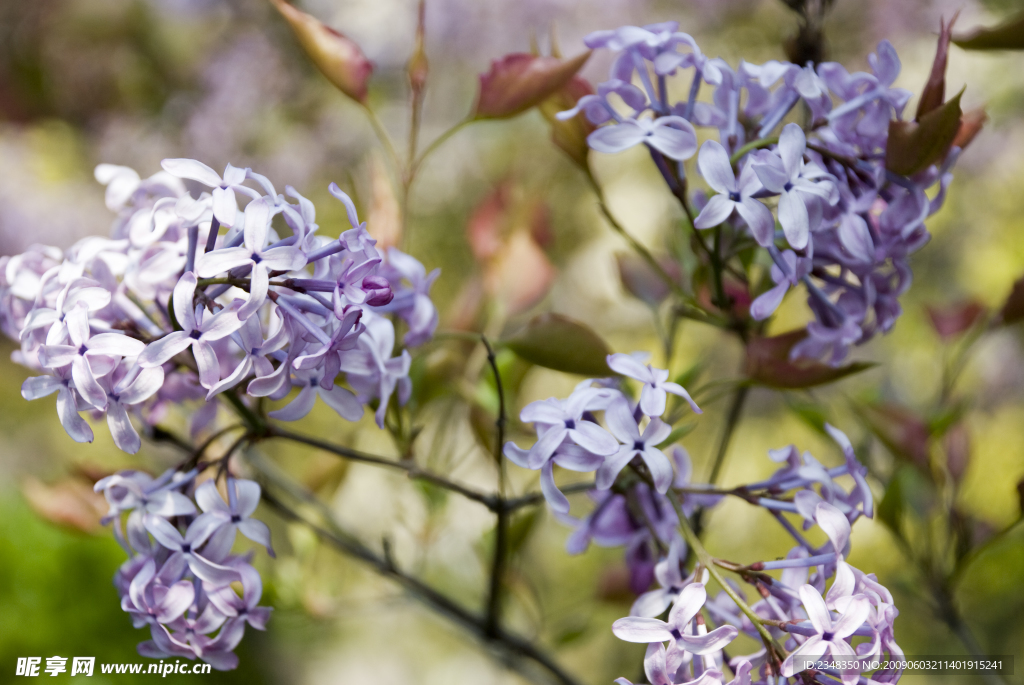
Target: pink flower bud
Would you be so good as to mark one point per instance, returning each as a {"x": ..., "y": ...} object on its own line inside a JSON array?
[{"x": 519, "y": 81}]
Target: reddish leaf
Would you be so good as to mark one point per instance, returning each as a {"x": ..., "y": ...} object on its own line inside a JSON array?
[
  {"x": 768, "y": 364},
  {"x": 520, "y": 275},
  {"x": 520, "y": 81},
  {"x": 70, "y": 503},
  {"x": 487, "y": 223},
  {"x": 1008, "y": 35},
  {"x": 338, "y": 57},
  {"x": 915, "y": 145},
  {"x": 901, "y": 430},
  {"x": 641, "y": 281},
  {"x": 570, "y": 135},
  {"x": 1013, "y": 308},
  {"x": 958, "y": 450},
  {"x": 557, "y": 342},
  {"x": 384, "y": 220},
  {"x": 952, "y": 320},
  {"x": 934, "y": 92},
  {"x": 970, "y": 125}
]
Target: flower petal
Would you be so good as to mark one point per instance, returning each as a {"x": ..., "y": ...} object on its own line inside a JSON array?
[
  {"x": 617, "y": 137},
  {"x": 639, "y": 629}
]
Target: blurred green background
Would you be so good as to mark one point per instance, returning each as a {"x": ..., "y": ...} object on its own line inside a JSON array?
[{"x": 134, "y": 81}]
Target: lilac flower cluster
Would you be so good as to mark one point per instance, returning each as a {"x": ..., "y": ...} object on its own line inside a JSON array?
[
  {"x": 179, "y": 574},
  {"x": 192, "y": 297},
  {"x": 846, "y": 225},
  {"x": 634, "y": 508}
]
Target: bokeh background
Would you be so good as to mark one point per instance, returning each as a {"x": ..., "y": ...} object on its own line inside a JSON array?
[{"x": 134, "y": 81}]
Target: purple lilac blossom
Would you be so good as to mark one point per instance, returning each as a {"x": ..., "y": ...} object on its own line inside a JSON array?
[
  {"x": 194, "y": 293},
  {"x": 850, "y": 223},
  {"x": 179, "y": 584}
]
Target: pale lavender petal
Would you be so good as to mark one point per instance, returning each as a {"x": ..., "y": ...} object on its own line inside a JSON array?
[
  {"x": 808, "y": 652},
  {"x": 792, "y": 144},
  {"x": 687, "y": 604},
  {"x": 213, "y": 264},
  {"x": 843, "y": 585},
  {"x": 516, "y": 454},
  {"x": 221, "y": 325},
  {"x": 193, "y": 170},
  {"x": 771, "y": 173},
  {"x": 350, "y": 207},
  {"x": 215, "y": 574},
  {"x": 121, "y": 429},
  {"x": 679, "y": 390},
  {"x": 639, "y": 629},
  {"x": 674, "y": 137},
  {"x": 652, "y": 400},
  {"x": 209, "y": 498},
  {"x": 593, "y": 438},
  {"x": 760, "y": 220},
  {"x": 794, "y": 219},
  {"x": 206, "y": 360},
  {"x": 717, "y": 210},
  {"x": 143, "y": 387},
  {"x": 40, "y": 386},
  {"x": 258, "y": 532},
  {"x": 184, "y": 293},
  {"x": 767, "y": 302},
  {"x": 612, "y": 465},
  {"x": 659, "y": 466},
  {"x": 247, "y": 496},
  {"x": 711, "y": 642},
  {"x": 86, "y": 384},
  {"x": 555, "y": 499},
  {"x": 834, "y": 524},
  {"x": 164, "y": 533},
  {"x": 713, "y": 162},
  {"x": 621, "y": 423},
  {"x": 160, "y": 351},
  {"x": 298, "y": 407},
  {"x": 179, "y": 597},
  {"x": 258, "y": 214},
  {"x": 225, "y": 206},
  {"x": 617, "y": 137},
  {"x": 284, "y": 259},
  {"x": 70, "y": 419},
  {"x": 815, "y": 607},
  {"x": 344, "y": 402},
  {"x": 629, "y": 366},
  {"x": 577, "y": 459},
  {"x": 116, "y": 344}
]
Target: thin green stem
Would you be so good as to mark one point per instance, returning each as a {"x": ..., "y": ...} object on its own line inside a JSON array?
[
  {"x": 414, "y": 166},
  {"x": 752, "y": 145},
  {"x": 774, "y": 649},
  {"x": 501, "y": 526},
  {"x": 385, "y": 138}
]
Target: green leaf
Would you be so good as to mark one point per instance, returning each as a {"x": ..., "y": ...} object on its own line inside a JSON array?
[
  {"x": 1013, "y": 308},
  {"x": 520, "y": 528},
  {"x": 1008, "y": 35},
  {"x": 768, "y": 364},
  {"x": 557, "y": 342},
  {"x": 890, "y": 509},
  {"x": 677, "y": 434},
  {"x": 914, "y": 145}
]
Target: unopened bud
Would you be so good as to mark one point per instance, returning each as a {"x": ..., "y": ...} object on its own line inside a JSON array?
[
  {"x": 519, "y": 81},
  {"x": 338, "y": 57},
  {"x": 378, "y": 291}
]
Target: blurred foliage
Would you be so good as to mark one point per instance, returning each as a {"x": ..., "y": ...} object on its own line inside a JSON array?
[{"x": 941, "y": 409}]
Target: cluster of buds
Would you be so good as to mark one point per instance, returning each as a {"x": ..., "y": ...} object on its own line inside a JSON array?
[
  {"x": 192, "y": 297},
  {"x": 640, "y": 494},
  {"x": 179, "y": 574},
  {"x": 848, "y": 209}
]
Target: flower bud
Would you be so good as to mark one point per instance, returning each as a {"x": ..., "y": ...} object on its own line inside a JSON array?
[
  {"x": 338, "y": 57},
  {"x": 519, "y": 81},
  {"x": 571, "y": 134},
  {"x": 378, "y": 291}
]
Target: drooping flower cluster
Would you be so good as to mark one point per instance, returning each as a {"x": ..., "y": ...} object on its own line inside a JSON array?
[
  {"x": 848, "y": 225},
  {"x": 192, "y": 296},
  {"x": 627, "y": 511},
  {"x": 179, "y": 574}
]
